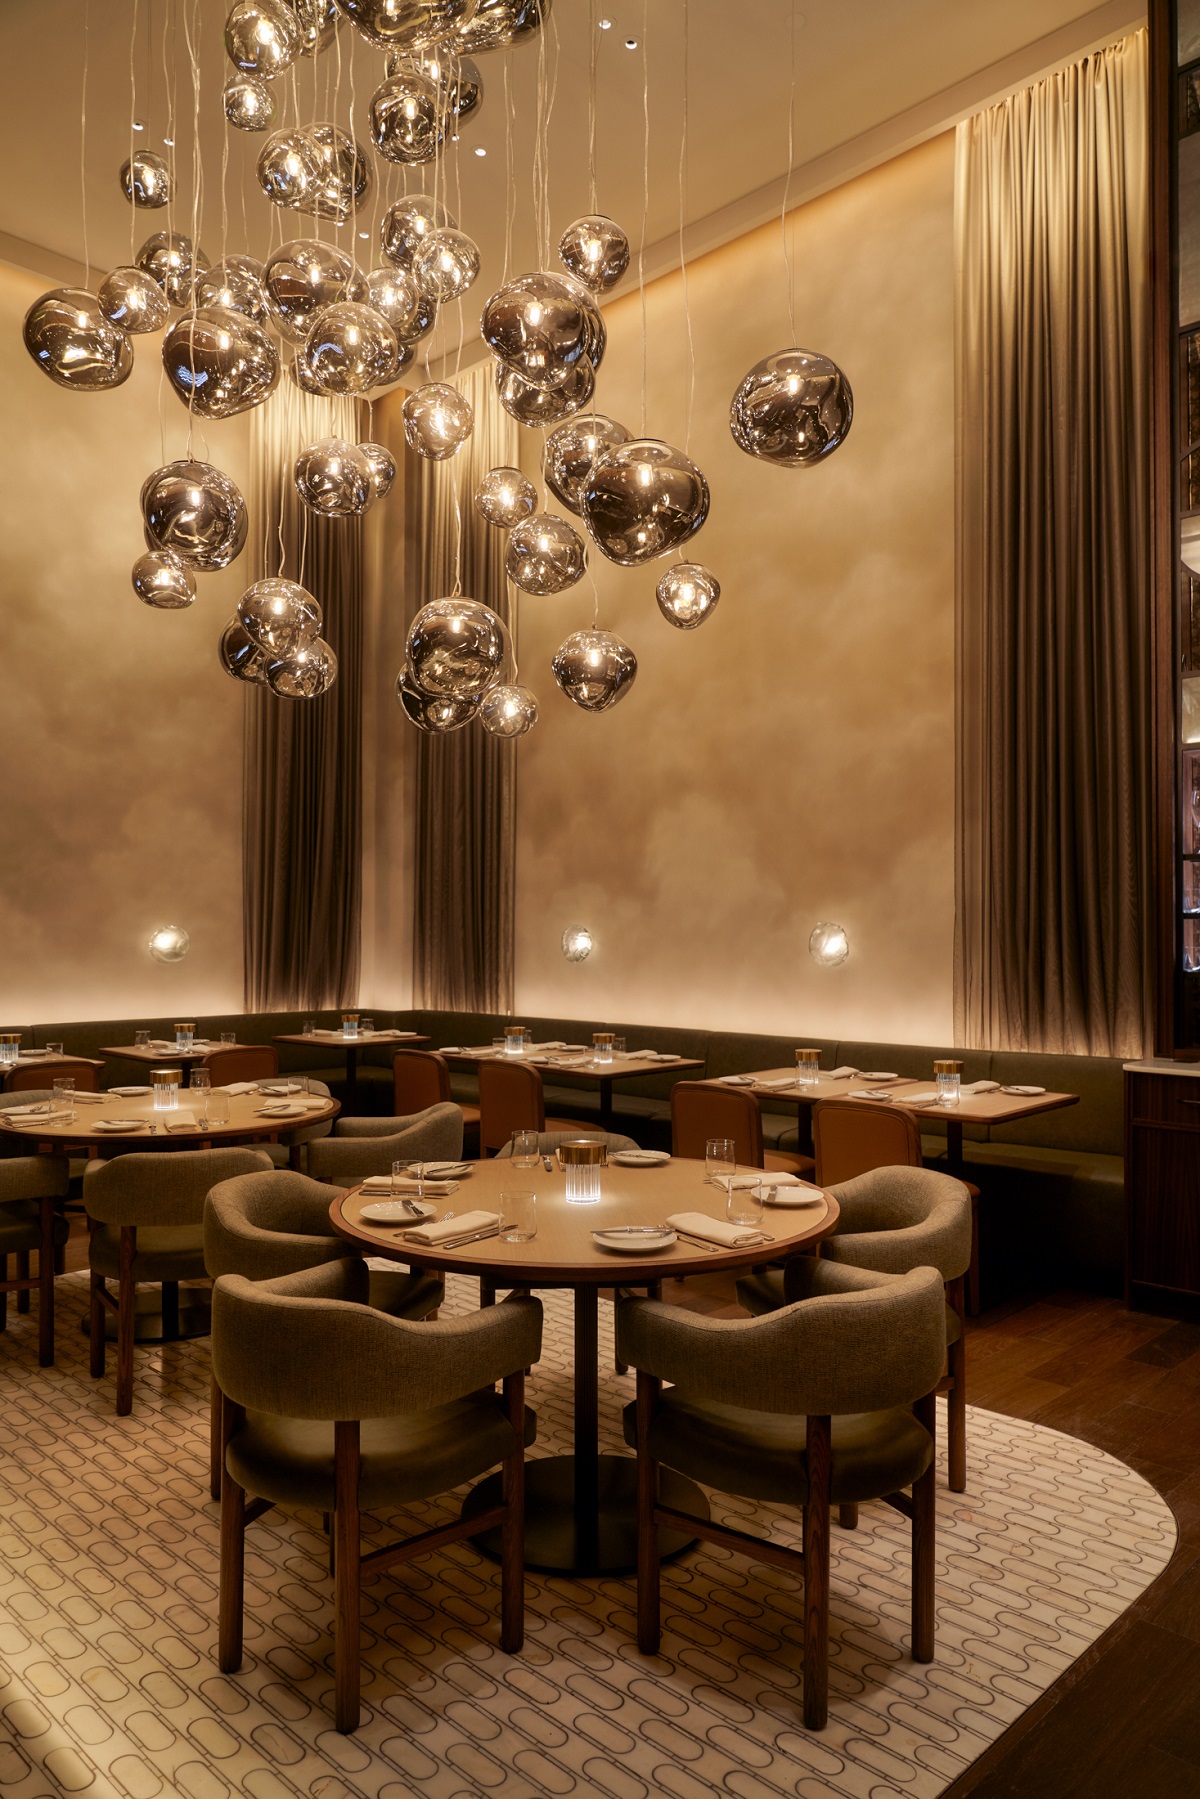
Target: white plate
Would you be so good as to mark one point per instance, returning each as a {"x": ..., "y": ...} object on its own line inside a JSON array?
[
  {"x": 1024, "y": 1092},
  {"x": 634, "y": 1242},
  {"x": 129, "y": 1092},
  {"x": 396, "y": 1211},
  {"x": 792, "y": 1196},
  {"x": 875, "y": 1074},
  {"x": 639, "y": 1158}
]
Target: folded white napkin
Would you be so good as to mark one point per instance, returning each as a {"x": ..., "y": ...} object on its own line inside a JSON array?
[
  {"x": 182, "y": 1120},
  {"x": 288, "y": 1108},
  {"x": 736, "y": 1080},
  {"x": 123, "y": 1125},
  {"x": 917, "y": 1099},
  {"x": 161, "y": 1043},
  {"x": 651, "y": 1055},
  {"x": 981, "y": 1087},
  {"x": 281, "y": 1087},
  {"x": 405, "y": 1186},
  {"x": 447, "y": 1229},
  {"x": 43, "y": 1107},
  {"x": 449, "y": 1049},
  {"x": 715, "y": 1230},
  {"x": 871, "y": 1093},
  {"x": 89, "y": 1099},
  {"x": 786, "y": 1080},
  {"x": 843, "y": 1074},
  {"x": 552, "y": 1043},
  {"x": 766, "y": 1178},
  {"x": 1024, "y": 1092},
  {"x": 237, "y": 1087}
]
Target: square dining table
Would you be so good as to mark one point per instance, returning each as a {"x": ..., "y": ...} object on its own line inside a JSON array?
[
  {"x": 580, "y": 1068},
  {"x": 918, "y": 1097},
  {"x": 165, "y": 1054},
  {"x": 349, "y": 1047}
]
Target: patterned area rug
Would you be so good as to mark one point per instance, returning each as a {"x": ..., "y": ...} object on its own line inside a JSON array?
[{"x": 108, "y": 1599}]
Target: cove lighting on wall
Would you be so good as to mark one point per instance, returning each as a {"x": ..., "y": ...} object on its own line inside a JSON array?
[
  {"x": 169, "y": 944},
  {"x": 828, "y": 945},
  {"x": 577, "y": 943}
]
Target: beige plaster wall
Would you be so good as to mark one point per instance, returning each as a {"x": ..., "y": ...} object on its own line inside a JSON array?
[
  {"x": 121, "y": 789},
  {"x": 792, "y": 760}
]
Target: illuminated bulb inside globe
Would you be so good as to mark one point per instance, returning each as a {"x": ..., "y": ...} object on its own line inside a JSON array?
[
  {"x": 169, "y": 943},
  {"x": 577, "y": 943},
  {"x": 828, "y": 945}
]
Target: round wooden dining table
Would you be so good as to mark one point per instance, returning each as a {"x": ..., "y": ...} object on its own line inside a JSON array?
[
  {"x": 581, "y": 1509},
  {"x": 151, "y": 1130}
]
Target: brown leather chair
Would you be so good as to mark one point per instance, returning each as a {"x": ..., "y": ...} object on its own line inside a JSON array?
[
  {"x": 700, "y": 1110},
  {"x": 249, "y": 1062},
  {"x": 44, "y": 1073},
  {"x": 853, "y": 1136},
  {"x": 422, "y": 1079},
  {"x": 512, "y": 1098}
]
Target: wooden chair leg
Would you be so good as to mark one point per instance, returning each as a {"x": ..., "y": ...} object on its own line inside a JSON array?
[
  {"x": 347, "y": 1579},
  {"x": 848, "y": 1516},
  {"x": 126, "y": 1312},
  {"x": 46, "y": 1285},
  {"x": 956, "y": 1401},
  {"x": 816, "y": 1575},
  {"x": 23, "y": 1275},
  {"x": 233, "y": 1544},
  {"x": 96, "y": 1325},
  {"x": 216, "y": 1442},
  {"x": 924, "y": 1539},
  {"x": 169, "y": 1308},
  {"x": 973, "y": 1270},
  {"x": 512, "y": 1560},
  {"x": 487, "y": 1292},
  {"x": 648, "y": 1574}
]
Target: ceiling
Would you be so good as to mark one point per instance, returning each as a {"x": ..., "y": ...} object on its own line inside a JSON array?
[{"x": 871, "y": 77}]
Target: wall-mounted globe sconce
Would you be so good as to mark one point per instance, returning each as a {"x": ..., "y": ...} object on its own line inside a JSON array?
[
  {"x": 577, "y": 943},
  {"x": 828, "y": 945},
  {"x": 169, "y": 944}
]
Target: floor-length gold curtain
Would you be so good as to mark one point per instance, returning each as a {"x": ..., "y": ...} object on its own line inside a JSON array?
[
  {"x": 465, "y": 850},
  {"x": 302, "y": 767},
  {"x": 1053, "y": 911}
]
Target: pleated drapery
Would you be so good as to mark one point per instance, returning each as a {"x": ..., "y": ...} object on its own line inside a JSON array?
[
  {"x": 1053, "y": 589},
  {"x": 465, "y": 851},
  {"x": 302, "y": 766}
]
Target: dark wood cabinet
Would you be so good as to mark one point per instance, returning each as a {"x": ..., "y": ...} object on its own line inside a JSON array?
[{"x": 1162, "y": 1186}]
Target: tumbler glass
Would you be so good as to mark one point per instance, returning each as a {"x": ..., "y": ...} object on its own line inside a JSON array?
[
  {"x": 518, "y": 1216},
  {"x": 64, "y": 1097}
]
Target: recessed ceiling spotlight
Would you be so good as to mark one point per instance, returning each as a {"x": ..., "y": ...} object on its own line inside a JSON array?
[
  {"x": 631, "y": 43},
  {"x": 364, "y": 235},
  {"x": 604, "y": 24},
  {"x": 479, "y": 150},
  {"x": 138, "y": 126},
  {"x": 169, "y": 142}
]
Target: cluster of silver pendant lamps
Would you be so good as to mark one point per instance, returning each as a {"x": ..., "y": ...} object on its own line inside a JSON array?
[{"x": 311, "y": 312}]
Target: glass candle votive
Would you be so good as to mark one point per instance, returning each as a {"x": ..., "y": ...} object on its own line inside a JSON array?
[
  {"x": 10, "y": 1047},
  {"x": 185, "y": 1036},
  {"x": 164, "y": 1085},
  {"x": 602, "y": 1045},
  {"x": 514, "y": 1039},
  {"x": 349, "y": 1024},
  {"x": 808, "y": 1067},
  {"x": 949, "y": 1081},
  {"x": 581, "y": 1159}
]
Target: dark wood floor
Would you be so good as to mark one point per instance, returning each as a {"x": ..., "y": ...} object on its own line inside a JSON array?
[{"x": 1125, "y": 1720}]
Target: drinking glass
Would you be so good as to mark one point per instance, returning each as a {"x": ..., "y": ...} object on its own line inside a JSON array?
[
  {"x": 54, "y": 1049},
  {"x": 518, "y": 1216},
  {"x": 720, "y": 1161},
  {"x": 808, "y": 1067},
  {"x": 64, "y": 1097},
  {"x": 618, "y": 1046},
  {"x": 310, "y": 1027},
  {"x": 217, "y": 1107},
  {"x": 949, "y": 1081},
  {"x": 368, "y": 1027},
  {"x": 602, "y": 1046},
  {"x": 745, "y": 1204},
  {"x": 185, "y": 1036},
  {"x": 141, "y": 1039},
  {"x": 349, "y": 1024},
  {"x": 525, "y": 1152},
  {"x": 499, "y": 1043},
  {"x": 228, "y": 1037},
  {"x": 10, "y": 1047},
  {"x": 200, "y": 1082}
]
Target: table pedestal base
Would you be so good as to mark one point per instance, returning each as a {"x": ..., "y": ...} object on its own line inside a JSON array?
[
  {"x": 558, "y": 1541},
  {"x": 155, "y": 1324}
]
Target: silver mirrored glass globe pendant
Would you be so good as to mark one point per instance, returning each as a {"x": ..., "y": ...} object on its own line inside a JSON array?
[
  {"x": 438, "y": 419},
  {"x": 508, "y": 711},
  {"x": 596, "y": 251},
  {"x": 793, "y": 408},
  {"x": 240, "y": 656},
  {"x": 383, "y": 468},
  {"x": 161, "y": 579},
  {"x": 828, "y": 945},
  {"x": 146, "y": 180},
  {"x": 133, "y": 301},
  {"x": 334, "y": 479},
  {"x": 594, "y": 669},
  {"x": 196, "y": 511},
  {"x": 304, "y": 673},
  {"x": 643, "y": 499},
  {"x": 456, "y": 648},
  {"x": 545, "y": 554},
  {"x": 431, "y": 713},
  {"x": 170, "y": 943},
  {"x": 504, "y": 497},
  {"x": 687, "y": 594},
  {"x": 73, "y": 342}
]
